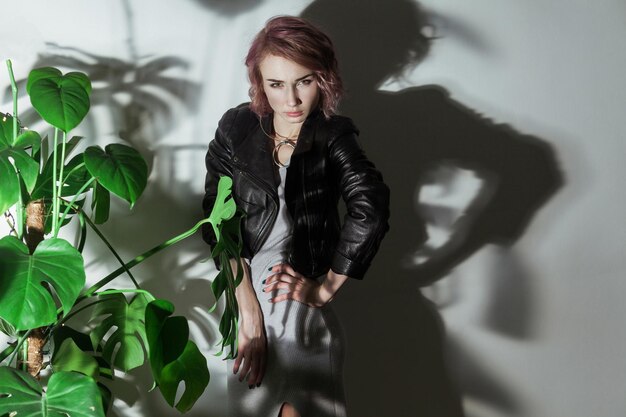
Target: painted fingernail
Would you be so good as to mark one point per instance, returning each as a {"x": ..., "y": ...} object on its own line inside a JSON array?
[
  {"x": 250, "y": 386},
  {"x": 270, "y": 268},
  {"x": 263, "y": 282},
  {"x": 258, "y": 384}
]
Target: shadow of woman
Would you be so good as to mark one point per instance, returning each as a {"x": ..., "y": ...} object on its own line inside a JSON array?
[{"x": 396, "y": 360}]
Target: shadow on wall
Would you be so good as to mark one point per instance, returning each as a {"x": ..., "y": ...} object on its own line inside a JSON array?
[
  {"x": 229, "y": 7},
  {"x": 428, "y": 145}
]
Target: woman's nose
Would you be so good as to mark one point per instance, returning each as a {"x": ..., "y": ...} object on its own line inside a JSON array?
[{"x": 292, "y": 97}]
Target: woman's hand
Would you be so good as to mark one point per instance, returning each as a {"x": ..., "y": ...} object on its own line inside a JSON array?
[
  {"x": 252, "y": 349},
  {"x": 251, "y": 343},
  {"x": 301, "y": 289}
]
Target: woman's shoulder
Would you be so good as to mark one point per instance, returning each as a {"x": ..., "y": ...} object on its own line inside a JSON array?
[
  {"x": 337, "y": 126},
  {"x": 238, "y": 120},
  {"x": 240, "y": 113}
]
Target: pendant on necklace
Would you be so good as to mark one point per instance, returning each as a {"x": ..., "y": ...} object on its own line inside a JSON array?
[{"x": 288, "y": 142}]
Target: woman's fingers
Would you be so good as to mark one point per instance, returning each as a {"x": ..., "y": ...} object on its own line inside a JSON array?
[
  {"x": 298, "y": 288},
  {"x": 237, "y": 363},
  {"x": 247, "y": 362}
]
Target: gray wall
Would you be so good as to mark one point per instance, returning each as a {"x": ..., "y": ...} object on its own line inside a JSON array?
[{"x": 514, "y": 232}]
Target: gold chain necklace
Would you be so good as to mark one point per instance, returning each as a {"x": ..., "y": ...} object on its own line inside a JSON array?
[{"x": 284, "y": 140}]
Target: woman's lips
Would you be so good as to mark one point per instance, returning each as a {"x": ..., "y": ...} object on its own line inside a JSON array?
[{"x": 294, "y": 113}]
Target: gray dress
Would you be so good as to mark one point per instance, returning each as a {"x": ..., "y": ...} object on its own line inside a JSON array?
[{"x": 305, "y": 345}]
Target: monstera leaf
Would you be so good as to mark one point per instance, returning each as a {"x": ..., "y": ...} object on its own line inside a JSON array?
[
  {"x": 224, "y": 208},
  {"x": 73, "y": 179},
  {"x": 128, "y": 321},
  {"x": 24, "y": 300},
  {"x": 173, "y": 357},
  {"x": 61, "y": 100},
  {"x": 73, "y": 352},
  {"x": 69, "y": 357},
  {"x": 68, "y": 394},
  {"x": 12, "y": 156},
  {"x": 118, "y": 168}
]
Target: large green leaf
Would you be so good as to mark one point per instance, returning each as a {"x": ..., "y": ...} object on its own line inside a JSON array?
[
  {"x": 119, "y": 168},
  {"x": 173, "y": 357},
  {"x": 61, "y": 100},
  {"x": 25, "y": 302},
  {"x": 68, "y": 394},
  {"x": 129, "y": 335}
]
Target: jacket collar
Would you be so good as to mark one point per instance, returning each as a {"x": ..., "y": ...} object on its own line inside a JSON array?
[
  {"x": 307, "y": 132},
  {"x": 254, "y": 153}
]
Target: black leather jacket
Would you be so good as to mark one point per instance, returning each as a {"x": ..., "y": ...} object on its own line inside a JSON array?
[{"x": 327, "y": 163}]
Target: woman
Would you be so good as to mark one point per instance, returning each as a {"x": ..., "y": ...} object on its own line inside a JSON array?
[{"x": 291, "y": 158}]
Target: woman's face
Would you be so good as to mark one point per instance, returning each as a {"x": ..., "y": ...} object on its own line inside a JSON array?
[{"x": 291, "y": 91}]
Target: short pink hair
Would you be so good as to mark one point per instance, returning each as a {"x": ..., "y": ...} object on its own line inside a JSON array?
[{"x": 297, "y": 40}]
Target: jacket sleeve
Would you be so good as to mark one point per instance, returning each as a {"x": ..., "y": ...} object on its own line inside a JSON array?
[
  {"x": 218, "y": 164},
  {"x": 367, "y": 201}
]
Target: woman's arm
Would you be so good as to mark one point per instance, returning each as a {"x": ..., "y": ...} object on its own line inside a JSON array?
[
  {"x": 252, "y": 345},
  {"x": 367, "y": 206}
]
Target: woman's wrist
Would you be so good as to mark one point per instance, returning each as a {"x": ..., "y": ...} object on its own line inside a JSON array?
[{"x": 330, "y": 286}]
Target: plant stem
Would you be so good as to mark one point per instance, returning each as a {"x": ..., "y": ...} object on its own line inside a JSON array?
[
  {"x": 14, "y": 91},
  {"x": 20, "y": 342},
  {"x": 104, "y": 281},
  {"x": 19, "y": 210},
  {"x": 71, "y": 203},
  {"x": 7, "y": 352},
  {"x": 106, "y": 242},
  {"x": 61, "y": 181},
  {"x": 55, "y": 196},
  {"x": 25, "y": 356},
  {"x": 127, "y": 290},
  {"x": 20, "y": 206}
]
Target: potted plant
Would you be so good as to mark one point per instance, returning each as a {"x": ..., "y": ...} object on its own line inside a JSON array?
[{"x": 44, "y": 187}]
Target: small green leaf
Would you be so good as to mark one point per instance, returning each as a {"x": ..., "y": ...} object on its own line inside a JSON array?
[
  {"x": 24, "y": 300},
  {"x": 69, "y": 357},
  {"x": 128, "y": 321},
  {"x": 10, "y": 188},
  {"x": 12, "y": 157},
  {"x": 25, "y": 164},
  {"x": 224, "y": 207},
  {"x": 28, "y": 138},
  {"x": 6, "y": 131},
  {"x": 100, "y": 204},
  {"x": 6, "y": 328},
  {"x": 62, "y": 101},
  {"x": 73, "y": 179},
  {"x": 119, "y": 168},
  {"x": 67, "y": 394}
]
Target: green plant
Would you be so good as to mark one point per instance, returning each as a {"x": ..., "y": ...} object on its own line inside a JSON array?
[{"x": 43, "y": 280}]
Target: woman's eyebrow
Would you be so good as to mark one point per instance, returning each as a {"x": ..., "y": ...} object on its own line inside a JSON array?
[{"x": 281, "y": 81}]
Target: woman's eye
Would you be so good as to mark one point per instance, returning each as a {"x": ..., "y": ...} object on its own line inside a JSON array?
[
  {"x": 308, "y": 81},
  {"x": 275, "y": 85}
]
